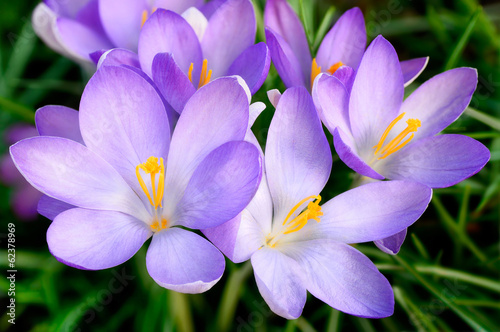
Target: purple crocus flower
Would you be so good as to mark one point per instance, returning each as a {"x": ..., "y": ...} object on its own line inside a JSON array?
[
  {"x": 78, "y": 28},
  {"x": 182, "y": 54},
  {"x": 339, "y": 54},
  {"x": 296, "y": 245},
  {"x": 133, "y": 180},
  {"x": 24, "y": 198},
  {"x": 380, "y": 136}
]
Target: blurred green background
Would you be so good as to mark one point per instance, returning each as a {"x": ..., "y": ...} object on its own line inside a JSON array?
[{"x": 446, "y": 277}]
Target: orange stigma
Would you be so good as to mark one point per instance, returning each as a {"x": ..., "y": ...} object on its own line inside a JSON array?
[{"x": 316, "y": 70}]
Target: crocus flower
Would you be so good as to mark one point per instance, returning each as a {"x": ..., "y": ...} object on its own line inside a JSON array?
[
  {"x": 340, "y": 51},
  {"x": 24, "y": 197},
  {"x": 182, "y": 54},
  {"x": 380, "y": 136},
  {"x": 294, "y": 243},
  {"x": 79, "y": 28},
  {"x": 133, "y": 180}
]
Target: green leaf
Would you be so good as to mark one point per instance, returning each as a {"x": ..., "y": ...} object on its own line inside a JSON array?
[
  {"x": 459, "y": 47},
  {"x": 326, "y": 23},
  {"x": 483, "y": 117}
]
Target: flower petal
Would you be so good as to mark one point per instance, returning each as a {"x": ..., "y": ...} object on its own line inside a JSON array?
[
  {"x": 24, "y": 201},
  {"x": 345, "y": 42},
  {"x": 221, "y": 186},
  {"x": 168, "y": 32},
  {"x": 70, "y": 172},
  {"x": 374, "y": 105},
  {"x": 344, "y": 278},
  {"x": 58, "y": 121},
  {"x": 280, "y": 17},
  {"x": 252, "y": 65},
  {"x": 118, "y": 57},
  {"x": 286, "y": 63},
  {"x": 254, "y": 111},
  {"x": 332, "y": 102},
  {"x": 183, "y": 261},
  {"x": 298, "y": 158},
  {"x": 50, "y": 207},
  {"x": 95, "y": 240},
  {"x": 221, "y": 104},
  {"x": 123, "y": 119},
  {"x": 439, "y": 101},
  {"x": 439, "y": 161},
  {"x": 171, "y": 81},
  {"x": 391, "y": 245},
  {"x": 372, "y": 212},
  {"x": 230, "y": 31},
  {"x": 177, "y": 6},
  {"x": 279, "y": 279},
  {"x": 274, "y": 96},
  {"x": 413, "y": 68},
  {"x": 197, "y": 20}
]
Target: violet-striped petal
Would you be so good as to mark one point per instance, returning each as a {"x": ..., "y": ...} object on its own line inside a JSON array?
[
  {"x": 332, "y": 102},
  {"x": 168, "y": 32},
  {"x": 280, "y": 17},
  {"x": 344, "y": 278},
  {"x": 58, "y": 121},
  {"x": 391, "y": 245},
  {"x": 252, "y": 65},
  {"x": 286, "y": 63},
  {"x": 183, "y": 261},
  {"x": 217, "y": 113},
  {"x": 123, "y": 119},
  {"x": 439, "y": 161},
  {"x": 44, "y": 22},
  {"x": 298, "y": 158},
  {"x": 50, "y": 207},
  {"x": 346, "y": 150},
  {"x": 412, "y": 69},
  {"x": 374, "y": 105},
  {"x": 95, "y": 240},
  {"x": 345, "y": 75},
  {"x": 345, "y": 42},
  {"x": 372, "y": 212},
  {"x": 280, "y": 282},
  {"x": 221, "y": 186},
  {"x": 118, "y": 57},
  {"x": 177, "y": 6},
  {"x": 230, "y": 31}
]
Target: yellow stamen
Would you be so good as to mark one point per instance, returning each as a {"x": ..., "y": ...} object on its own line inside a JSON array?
[
  {"x": 333, "y": 68},
  {"x": 152, "y": 167},
  {"x": 204, "y": 76},
  {"x": 395, "y": 144},
  {"x": 315, "y": 71},
  {"x": 145, "y": 16},
  {"x": 156, "y": 226}
]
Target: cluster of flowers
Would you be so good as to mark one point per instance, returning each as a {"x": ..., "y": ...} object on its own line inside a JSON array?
[{"x": 162, "y": 145}]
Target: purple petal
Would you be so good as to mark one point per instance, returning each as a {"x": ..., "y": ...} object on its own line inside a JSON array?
[
  {"x": 298, "y": 158},
  {"x": 196, "y": 20},
  {"x": 209, "y": 8},
  {"x": 177, "y": 6},
  {"x": 439, "y": 161},
  {"x": 118, "y": 57},
  {"x": 439, "y": 101},
  {"x": 344, "y": 278},
  {"x": 66, "y": 8},
  {"x": 274, "y": 96},
  {"x": 123, "y": 119},
  {"x": 9, "y": 174},
  {"x": 172, "y": 81},
  {"x": 18, "y": 132},
  {"x": 374, "y": 105},
  {"x": 69, "y": 171},
  {"x": 221, "y": 186},
  {"x": 221, "y": 104},
  {"x": 345, "y": 42},
  {"x": 280, "y": 17},
  {"x": 183, "y": 261},
  {"x": 122, "y": 21},
  {"x": 79, "y": 38},
  {"x": 168, "y": 32},
  {"x": 230, "y": 31},
  {"x": 413, "y": 68},
  {"x": 280, "y": 282},
  {"x": 345, "y": 75},
  {"x": 391, "y": 245},
  {"x": 24, "y": 201},
  {"x": 332, "y": 102},
  {"x": 95, "y": 240},
  {"x": 252, "y": 65},
  {"x": 59, "y": 121},
  {"x": 89, "y": 16},
  {"x": 373, "y": 211},
  {"x": 347, "y": 153},
  {"x": 50, "y": 208},
  {"x": 285, "y": 61}
]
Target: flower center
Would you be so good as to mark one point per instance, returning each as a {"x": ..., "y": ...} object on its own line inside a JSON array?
[
  {"x": 313, "y": 211},
  {"x": 395, "y": 144},
  {"x": 316, "y": 70},
  {"x": 146, "y": 15},
  {"x": 204, "y": 76},
  {"x": 152, "y": 167}
]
